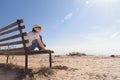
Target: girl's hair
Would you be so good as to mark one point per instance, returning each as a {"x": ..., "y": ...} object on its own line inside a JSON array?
[{"x": 33, "y": 30}]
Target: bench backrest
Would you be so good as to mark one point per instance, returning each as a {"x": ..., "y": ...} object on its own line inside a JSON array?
[
  {"x": 12, "y": 42},
  {"x": 12, "y": 39}
]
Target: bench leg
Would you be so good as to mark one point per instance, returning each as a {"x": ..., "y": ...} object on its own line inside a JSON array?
[
  {"x": 7, "y": 59},
  {"x": 26, "y": 63},
  {"x": 50, "y": 60}
]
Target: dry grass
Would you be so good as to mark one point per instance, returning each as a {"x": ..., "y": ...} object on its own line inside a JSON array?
[
  {"x": 65, "y": 68},
  {"x": 43, "y": 71}
]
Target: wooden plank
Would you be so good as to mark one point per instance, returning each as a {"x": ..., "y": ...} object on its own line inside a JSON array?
[
  {"x": 13, "y": 37},
  {"x": 11, "y": 25},
  {"x": 13, "y": 43},
  {"x": 50, "y": 60},
  {"x": 12, "y": 53},
  {"x": 12, "y": 30},
  {"x": 41, "y": 52},
  {"x": 26, "y": 52},
  {"x": 21, "y": 52},
  {"x": 16, "y": 26},
  {"x": 13, "y": 49},
  {"x": 29, "y": 52}
]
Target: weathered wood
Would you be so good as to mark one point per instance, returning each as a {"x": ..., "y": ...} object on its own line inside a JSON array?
[
  {"x": 13, "y": 37},
  {"x": 7, "y": 52},
  {"x": 21, "y": 52},
  {"x": 4, "y": 42},
  {"x": 13, "y": 43},
  {"x": 40, "y": 52},
  {"x": 12, "y": 30},
  {"x": 11, "y": 25},
  {"x": 24, "y": 46},
  {"x": 13, "y": 49}
]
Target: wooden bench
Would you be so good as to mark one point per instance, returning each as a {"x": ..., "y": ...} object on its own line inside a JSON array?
[{"x": 12, "y": 42}]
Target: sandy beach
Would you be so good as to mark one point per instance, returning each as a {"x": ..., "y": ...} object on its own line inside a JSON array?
[{"x": 67, "y": 67}]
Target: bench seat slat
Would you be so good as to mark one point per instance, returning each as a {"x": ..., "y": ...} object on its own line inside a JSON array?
[
  {"x": 39, "y": 52},
  {"x": 21, "y": 52}
]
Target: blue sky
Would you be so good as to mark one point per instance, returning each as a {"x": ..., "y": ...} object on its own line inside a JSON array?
[{"x": 90, "y": 26}]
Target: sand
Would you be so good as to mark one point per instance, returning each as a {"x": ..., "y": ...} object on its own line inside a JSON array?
[{"x": 68, "y": 67}]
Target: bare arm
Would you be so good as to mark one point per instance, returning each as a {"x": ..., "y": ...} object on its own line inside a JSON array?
[{"x": 41, "y": 44}]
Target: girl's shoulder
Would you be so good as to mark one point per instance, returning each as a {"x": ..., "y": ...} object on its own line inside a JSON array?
[{"x": 33, "y": 33}]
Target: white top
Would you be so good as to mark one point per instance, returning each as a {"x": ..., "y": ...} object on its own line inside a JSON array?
[{"x": 31, "y": 36}]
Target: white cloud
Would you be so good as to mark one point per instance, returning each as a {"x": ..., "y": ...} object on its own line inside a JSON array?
[
  {"x": 86, "y": 2},
  {"x": 67, "y": 17},
  {"x": 114, "y": 35}
]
